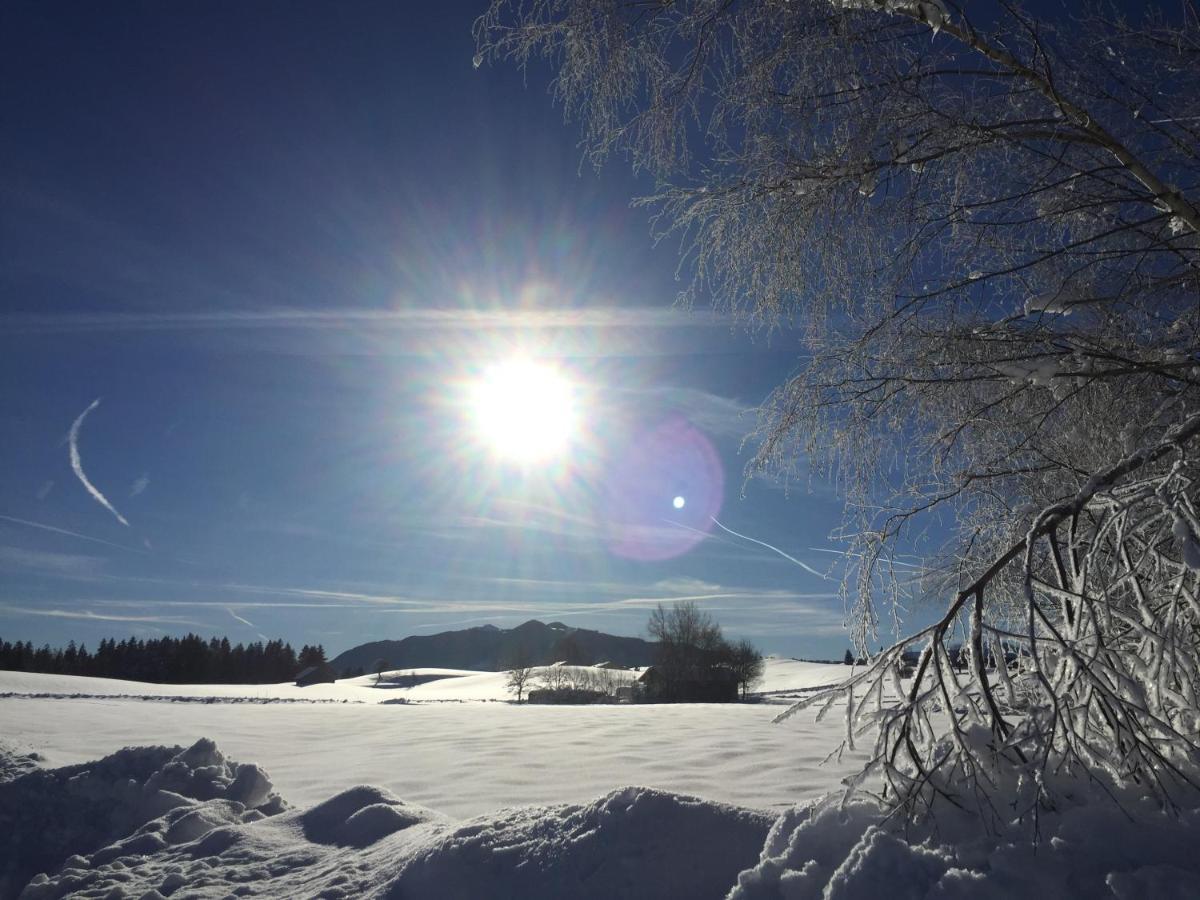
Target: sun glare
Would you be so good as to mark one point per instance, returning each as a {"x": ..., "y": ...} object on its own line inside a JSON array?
[{"x": 524, "y": 411}]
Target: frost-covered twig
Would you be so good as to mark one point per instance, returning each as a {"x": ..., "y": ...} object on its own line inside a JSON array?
[{"x": 1102, "y": 672}]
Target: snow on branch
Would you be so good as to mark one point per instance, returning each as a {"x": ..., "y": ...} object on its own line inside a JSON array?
[{"x": 1097, "y": 672}]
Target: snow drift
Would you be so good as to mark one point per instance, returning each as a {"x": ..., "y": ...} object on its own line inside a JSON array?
[
  {"x": 152, "y": 821},
  {"x": 132, "y": 803},
  {"x": 1059, "y": 834},
  {"x": 146, "y": 822}
]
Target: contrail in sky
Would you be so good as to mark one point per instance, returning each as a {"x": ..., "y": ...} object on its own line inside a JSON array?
[
  {"x": 246, "y": 622},
  {"x": 890, "y": 562},
  {"x": 805, "y": 566},
  {"x": 74, "y": 534},
  {"x": 77, "y": 465}
]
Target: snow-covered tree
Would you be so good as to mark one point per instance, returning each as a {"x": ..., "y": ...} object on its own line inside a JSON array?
[{"x": 985, "y": 232}]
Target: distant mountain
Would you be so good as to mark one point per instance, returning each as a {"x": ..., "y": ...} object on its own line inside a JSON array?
[{"x": 487, "y": 648}]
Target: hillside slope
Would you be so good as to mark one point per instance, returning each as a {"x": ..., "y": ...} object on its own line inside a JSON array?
[{"x": 487, "y": 648}]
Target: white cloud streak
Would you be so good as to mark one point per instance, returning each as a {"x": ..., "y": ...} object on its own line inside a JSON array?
[
  {"x": 41, "y": 560},
  {"x": 88, "y": 615},
  {"x": 77, "y": 464},
  {"x": 420, "y": 318},
  {"x": 805, "y": 566},
  {"x": 686, "y": 585},
  {"x": 75, "y": 534},
  {"x": 714, "y": 414},
  {"x": 247, "y": 623},
  {"x": 890, "y": 562},
  {"x": 140, "y": 485}
]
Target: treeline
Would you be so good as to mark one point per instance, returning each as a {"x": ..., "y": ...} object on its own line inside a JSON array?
[{"x": 167, "y": 660}]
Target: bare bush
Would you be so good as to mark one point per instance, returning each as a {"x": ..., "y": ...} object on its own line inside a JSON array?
[{"x": 519, "y": 664}]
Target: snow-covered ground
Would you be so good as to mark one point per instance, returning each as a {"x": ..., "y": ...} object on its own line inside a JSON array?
[
  {"x": 462, "y": 758},
  {"x": 356, "y": 690},
  {"x": 478, "y": 799},
  {"x": 499, "y": 753},
  {"x": 780, "y": 675}
]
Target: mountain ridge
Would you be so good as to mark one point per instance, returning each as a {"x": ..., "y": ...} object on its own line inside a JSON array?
[{"x": 487, "y": 648}]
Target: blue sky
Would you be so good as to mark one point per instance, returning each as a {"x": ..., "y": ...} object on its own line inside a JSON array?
[{"x": 281, "y": 242}]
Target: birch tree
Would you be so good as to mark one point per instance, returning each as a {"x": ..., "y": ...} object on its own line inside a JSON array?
[{"x": 982, "y": 229}]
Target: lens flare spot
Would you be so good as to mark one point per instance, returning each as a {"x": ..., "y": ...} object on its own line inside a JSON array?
[{"x": 662, "y": 492}]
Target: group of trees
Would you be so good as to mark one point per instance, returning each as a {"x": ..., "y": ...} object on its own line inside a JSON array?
[
  {"x": 692, "y": 652},
  {"x": 167, "y": 660},
  {"x": 583, "y": 679},
  {"x": 692, "y": 657},
  {"x": 564, "y": 681},
  {"x": 983, "y": 228}
]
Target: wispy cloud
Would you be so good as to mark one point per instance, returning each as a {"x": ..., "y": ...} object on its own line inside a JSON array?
[
  {"x": 674, "y": 598},
  {"x": 819, "y": 606},
  {"x": 220, "y": 604},
  {"x": 140, "y": 485},
  {"x": 418, "y": 318},
  {"x": 41, "y": 560},
  {"x": 554, "y": 586},
  {"x": 527, "y": 516},
  {"x": 54, "y": 529},
  {"x": 685, "y": 585},
  {"x": 714, "y": 414},
  {"x": 77, "y": 464},
  {"x": 92, "y": 616},
  {"x": 746, "y": 611},
  {"x": 44, "y": 491},
  {"x": 316, "y": 593},
  {"x": 524, "y": 515},
  {"x": 889, "y": 561}
]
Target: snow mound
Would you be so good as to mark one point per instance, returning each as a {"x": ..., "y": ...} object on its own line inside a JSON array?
[
  {"x": 52, "y": 815},
  {"x": 365, "y": 842},
  {"x": 632, "y": 843},
  {"x": 1092, "y": 848},
  {"x": 155, "y": 822},
  {"x": 14, "y": 762},
  {"x": 361, "y": 816},
  {"x": 347, "y": 846}
]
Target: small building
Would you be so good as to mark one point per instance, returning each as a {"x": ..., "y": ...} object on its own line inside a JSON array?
[
  {"x": 627, "y": 693},
  {"x": 611, "y": 665},
  {"x": 322, "y": 674},
  {"x": 714, "y": 685}
]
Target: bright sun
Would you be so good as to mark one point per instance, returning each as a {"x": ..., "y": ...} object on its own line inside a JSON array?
[{"x": 523, "y": 411}]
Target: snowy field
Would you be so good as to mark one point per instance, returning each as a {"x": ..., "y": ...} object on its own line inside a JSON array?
[
  {"x": 781, "y": 676},
  {"x": 451, "y": 745},
  {"x": 451, "y": 794}
]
